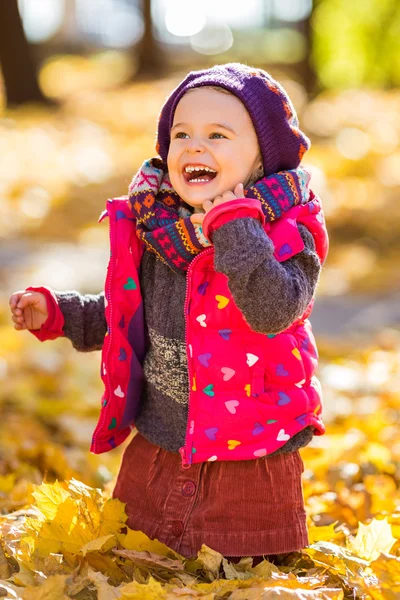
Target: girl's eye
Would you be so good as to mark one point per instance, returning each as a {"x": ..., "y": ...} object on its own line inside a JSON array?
[{"x": 181, "y": 134}]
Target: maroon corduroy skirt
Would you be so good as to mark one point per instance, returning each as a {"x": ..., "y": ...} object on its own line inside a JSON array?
[{"x": 239, "y": 508}]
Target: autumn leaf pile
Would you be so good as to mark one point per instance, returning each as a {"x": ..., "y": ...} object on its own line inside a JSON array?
[{"x": 72, "y": 543}]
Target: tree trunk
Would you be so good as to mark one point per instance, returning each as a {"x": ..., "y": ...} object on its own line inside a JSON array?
[
  {"x": 15, "y": 57},
  {"x": 306, "y": 67},
  {"x": 149, "y": 54}
]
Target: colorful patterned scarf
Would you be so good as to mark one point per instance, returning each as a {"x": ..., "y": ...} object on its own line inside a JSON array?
[{"x": 163, "y": 218}]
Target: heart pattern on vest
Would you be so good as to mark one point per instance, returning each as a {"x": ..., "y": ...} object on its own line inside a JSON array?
[
  {"x": 231, "y": 405},
  {"x": 228, "y": 373},
  {"x": 209, "y": 390},
  {"x": 225, "y": 334},
  {"x": 118, "y": 392},
  {"x": 296, "y": 353},
  {"x": 258, "y": 428},
  {"x": 232, "y": 444},
  {"x": 211, "y": 432},
  {"x": 260, "y": 452},
  {"x": 202, "y": 288},
  {"x": 302, "y": 419},
  {"x": 130, "y": 284},
  {"x": 202, "y": 320},
  {"x": 122, "y": 354},
  {"x": 223, "y": 301},
  {"x": 283, "y": 436},
  {"x": 251, "y": 359},
  {"x": 204, "y": 358},
  {"x": 300, "y": 383},
  {"x": 283, "y": 399},
  {"x": 285, "y": 249},
  {"x": 281, "y": 371}
]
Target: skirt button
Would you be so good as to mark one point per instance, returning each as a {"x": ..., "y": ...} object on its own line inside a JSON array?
[
  {"x": 177, "y": 528},
  {"x": 188, "y": 489}
]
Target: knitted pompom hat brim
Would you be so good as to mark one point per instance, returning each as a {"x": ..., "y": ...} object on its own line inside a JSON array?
[{"x": 282, "y": 143}]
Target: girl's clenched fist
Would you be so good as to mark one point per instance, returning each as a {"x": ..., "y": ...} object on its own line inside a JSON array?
[{"x": 28, "y": 309}]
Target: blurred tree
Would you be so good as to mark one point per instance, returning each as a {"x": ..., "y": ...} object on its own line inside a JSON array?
[
  {"x": 307, "y": 67},
  {"x": 17, "y": 64},
  {"x": 149, "y": 53}
]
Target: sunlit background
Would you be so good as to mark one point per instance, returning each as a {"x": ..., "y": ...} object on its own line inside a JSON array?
[
  {"x": 104, "y": 68},
  {"x": 206, "y": 27},
  {"x": 92, "y": 59}
]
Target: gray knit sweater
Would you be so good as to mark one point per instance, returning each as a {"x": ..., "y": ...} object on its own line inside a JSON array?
[{"x": 270, "y": 295}]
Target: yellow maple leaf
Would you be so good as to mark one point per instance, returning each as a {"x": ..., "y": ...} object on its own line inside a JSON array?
[
  {"x": 70, "y": 519},
  {"x": 210, "y": 560},
  {"x": 52, "y": 589},
  {"x": 113, "y": 516},
  {"x": 373, "y": 539},
  {"x": 335, "y": 558},
  {"x": 387, "y": 570},
  {"x": 152, "y": 590},
  {"x": 103, "y": 543},
  {"x": 325, "y": 533},
  {"x": 48, "y": 498},
  {"x": 223, "y": 585},
  {"x": 140, "y": 542},
  {"x": 105, "y": 591}
]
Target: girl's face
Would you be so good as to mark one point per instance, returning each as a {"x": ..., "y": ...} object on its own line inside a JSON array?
[{"x": 214, "y": 130}]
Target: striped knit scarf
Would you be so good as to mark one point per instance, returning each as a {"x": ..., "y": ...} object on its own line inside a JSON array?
[{"x": 163, "y": 219}]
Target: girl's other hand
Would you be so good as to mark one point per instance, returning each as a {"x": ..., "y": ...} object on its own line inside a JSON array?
[
  {"x": 28, "y": 309},
  {"x": 238, "y": 192}
]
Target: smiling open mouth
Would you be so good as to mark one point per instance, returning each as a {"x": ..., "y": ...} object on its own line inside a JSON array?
[{"x": 199, "y": 174}]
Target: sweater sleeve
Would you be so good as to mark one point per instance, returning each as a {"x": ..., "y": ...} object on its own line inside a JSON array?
[
  {"x": 85, "y": 322},
  {"x": 271, "y": 295}
]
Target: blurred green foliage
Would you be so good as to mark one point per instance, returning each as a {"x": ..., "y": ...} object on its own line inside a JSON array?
[{"x": 356, "y": 43}]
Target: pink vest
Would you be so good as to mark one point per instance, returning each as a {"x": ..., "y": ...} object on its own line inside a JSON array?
[{"x": 249, "y": 393}]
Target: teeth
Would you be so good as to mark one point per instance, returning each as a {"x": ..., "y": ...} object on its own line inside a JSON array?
[
  {"x": 191, "y": 169},
  {"x": 197, "y": 180}
]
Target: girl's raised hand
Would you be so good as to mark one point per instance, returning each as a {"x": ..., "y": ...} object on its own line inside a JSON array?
[
  {"x": 238, "y": 192},
  {"x": 28, "y": 309}
]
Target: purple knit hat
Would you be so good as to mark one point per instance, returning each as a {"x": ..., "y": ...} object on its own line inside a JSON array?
[{"x": 274, "y": 118}]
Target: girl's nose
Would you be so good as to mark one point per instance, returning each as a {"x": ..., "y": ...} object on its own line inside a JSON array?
[{"x": 194, "y": 146}]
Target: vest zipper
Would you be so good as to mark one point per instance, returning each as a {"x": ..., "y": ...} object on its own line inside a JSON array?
[
  {"x": 105, "y": 362},
  {"x": 186, "y": 450}
]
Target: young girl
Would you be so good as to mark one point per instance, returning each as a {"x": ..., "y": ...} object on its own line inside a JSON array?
[{"x": 206, "y": 344}]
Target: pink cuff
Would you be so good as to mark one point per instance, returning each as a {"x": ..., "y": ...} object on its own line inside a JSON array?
[
  {"x": 52, "y": 328},
  {"x": 228, "y": 211}
]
